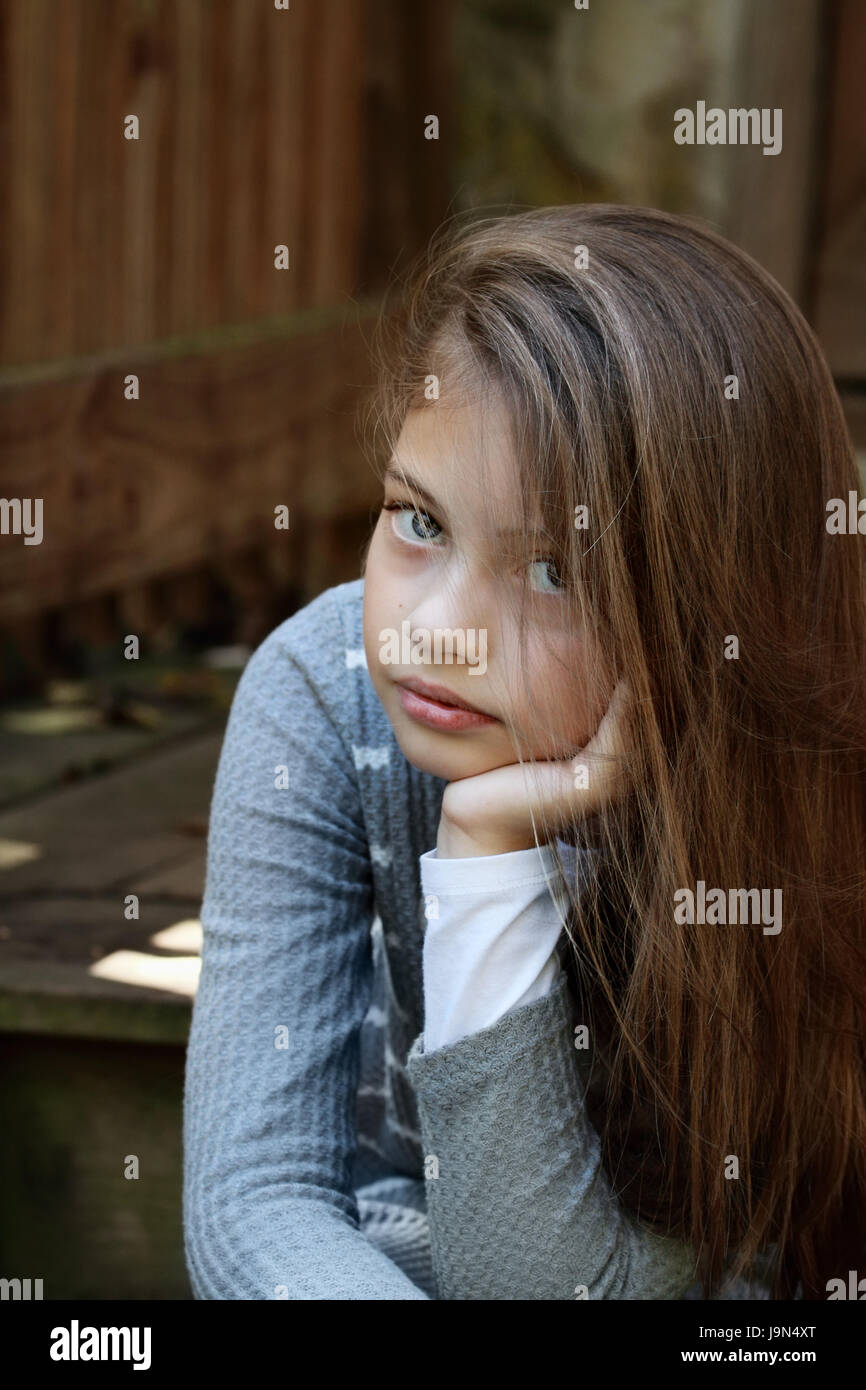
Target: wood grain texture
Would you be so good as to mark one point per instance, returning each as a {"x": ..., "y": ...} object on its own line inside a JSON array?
[
  {"x": 251, "y": 135},
  {"x": 189, "y": 473}
]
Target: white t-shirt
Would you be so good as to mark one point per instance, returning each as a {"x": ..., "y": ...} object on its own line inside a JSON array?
[{"x": 491, "y": 934}]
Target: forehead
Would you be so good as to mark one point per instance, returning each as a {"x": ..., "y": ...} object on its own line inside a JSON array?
[{"x": 459, "y": 449}]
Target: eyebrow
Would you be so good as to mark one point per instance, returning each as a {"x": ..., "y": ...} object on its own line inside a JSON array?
[
  {"x": 401, "y": 476},
  {"x": 393, "y": 470}
]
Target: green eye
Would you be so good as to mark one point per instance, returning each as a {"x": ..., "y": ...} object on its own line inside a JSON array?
[{"x": 545, "y": 577}]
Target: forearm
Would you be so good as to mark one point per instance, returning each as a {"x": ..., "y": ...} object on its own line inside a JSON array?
[
  {"x": 267, "y": 1211},
  {"x": 295, "y": 1248},
  {"x": 273, "y": 1058}
]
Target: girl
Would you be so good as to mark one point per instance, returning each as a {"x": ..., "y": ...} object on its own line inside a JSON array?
[{"x": 587, "y": 741}]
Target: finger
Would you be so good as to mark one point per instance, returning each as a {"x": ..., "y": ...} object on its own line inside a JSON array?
[
  {"x": 590, "y": 778},
  {"x": 610, "y": 738}
]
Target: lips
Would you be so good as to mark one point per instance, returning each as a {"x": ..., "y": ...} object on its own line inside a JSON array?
[
  {"x": 438, "y": 709},
  {"x": 440, "y": 694}
]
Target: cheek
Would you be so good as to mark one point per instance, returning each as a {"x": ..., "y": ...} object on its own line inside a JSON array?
[
  {"x": 377, "y": 608},
  {"x": 384, "y": 585},
  {"x": 556, "y": 702}
]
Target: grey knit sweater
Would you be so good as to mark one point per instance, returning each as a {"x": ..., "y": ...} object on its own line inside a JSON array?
[{"x": 326, "y": 1156}]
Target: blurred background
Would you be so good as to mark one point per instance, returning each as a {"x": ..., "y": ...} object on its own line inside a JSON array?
[{"x": 169, "y": 386}]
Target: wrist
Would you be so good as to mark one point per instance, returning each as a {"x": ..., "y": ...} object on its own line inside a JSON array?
[{"x": 454, "y": 843}]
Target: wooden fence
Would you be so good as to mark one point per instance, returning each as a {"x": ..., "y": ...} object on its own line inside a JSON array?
[{"x": 258, "y": 128}]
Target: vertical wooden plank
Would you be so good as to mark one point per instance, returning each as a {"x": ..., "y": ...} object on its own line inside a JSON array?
[
  {"x": 166, "y": 189},
  {"x": 242, "y": 173},
  {"x": 187, "y": 170},
  {"x": 314, "y": 142},
  {"x": 430, "y": 40},
  {"x": 26, "y": 253},
  {"x": 144, "y": 91},
  {"x": 91, "y": 251},
  {"x": 335, "y": 130},
  {"x": 219, "y": 191},
  {"x": 408, "y": 74},
  {"x": 49, "y": 252},
  {"x": 106, "y": 165},
  {"x": 259, "y": 267},
  {"x": 63, "y": 119},
  {"x": 314, "y": 38},
  {"x": 204, "y": 297},
  {"x": 119, "y": 20},
  {"x": 284, "y": 78}
]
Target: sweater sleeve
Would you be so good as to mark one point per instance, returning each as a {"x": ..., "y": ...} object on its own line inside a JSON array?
[
  {"x": 519, "y": 1204},
  {"x": 274, "y": 1048},
  {"x": 490, "y": 939}
]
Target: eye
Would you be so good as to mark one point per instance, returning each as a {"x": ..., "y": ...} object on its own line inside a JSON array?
[
  {"x": 422, "y": 532},
  {"x": 544, "y": 575}
]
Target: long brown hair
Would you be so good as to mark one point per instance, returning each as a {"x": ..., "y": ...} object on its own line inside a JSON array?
[{"x": 660, "y": 378}]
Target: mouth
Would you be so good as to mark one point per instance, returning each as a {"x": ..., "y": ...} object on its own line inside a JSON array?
[{"x": 438, "y": 708}]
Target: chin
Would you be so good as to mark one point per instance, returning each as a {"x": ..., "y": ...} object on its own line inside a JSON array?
[{"x": 426, "y": 751}]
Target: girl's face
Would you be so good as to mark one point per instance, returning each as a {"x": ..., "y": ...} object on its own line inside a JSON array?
[{"x": 429, "y": 566}]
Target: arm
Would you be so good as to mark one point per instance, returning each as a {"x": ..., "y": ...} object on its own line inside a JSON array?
[
  {"x": 522, "y": 1207},
  {"x": 269, "y": 1116}
]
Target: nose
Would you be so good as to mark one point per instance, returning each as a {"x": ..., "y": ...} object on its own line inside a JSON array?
[{"x": 458, "y": 595}]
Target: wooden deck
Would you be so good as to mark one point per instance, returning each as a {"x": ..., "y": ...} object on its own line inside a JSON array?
[{"x": 70, "y": 962}]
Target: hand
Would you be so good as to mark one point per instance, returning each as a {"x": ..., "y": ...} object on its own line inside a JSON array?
[{"x": 492, "y": 813}]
